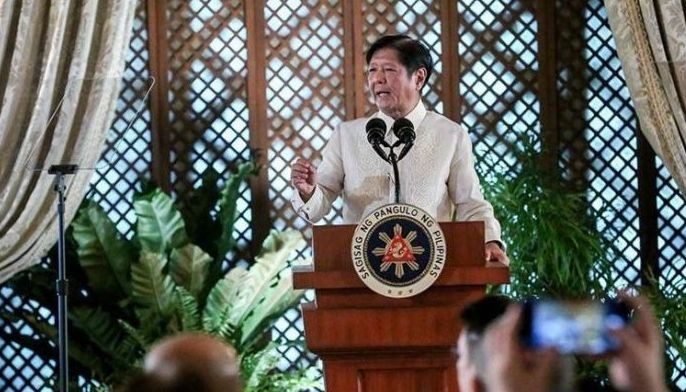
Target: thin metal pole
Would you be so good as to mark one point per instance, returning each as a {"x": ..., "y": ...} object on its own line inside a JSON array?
[{"x": 61, "y": 286}]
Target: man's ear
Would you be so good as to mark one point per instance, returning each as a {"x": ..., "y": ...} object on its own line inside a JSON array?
[{"x": 420, "y": 80}]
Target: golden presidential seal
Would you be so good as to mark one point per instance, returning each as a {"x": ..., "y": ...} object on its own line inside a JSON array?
[{"x": 398, "y": 250}]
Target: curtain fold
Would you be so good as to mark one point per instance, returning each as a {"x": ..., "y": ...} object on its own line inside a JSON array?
[
  {"x": 60, "y": 74},
  {"x": 651, "y": 43}
]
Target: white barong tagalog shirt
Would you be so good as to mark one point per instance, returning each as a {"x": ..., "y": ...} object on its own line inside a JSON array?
[{"x": 437, "y": 174}]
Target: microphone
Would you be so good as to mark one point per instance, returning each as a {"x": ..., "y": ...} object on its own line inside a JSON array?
[
  {"x": 376, "y": 130},
  {"x": 404, "y": 131}
]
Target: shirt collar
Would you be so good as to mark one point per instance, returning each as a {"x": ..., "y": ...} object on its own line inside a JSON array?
[{"x": 416, "y": 116}]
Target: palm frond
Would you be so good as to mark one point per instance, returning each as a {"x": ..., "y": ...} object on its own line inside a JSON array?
[
  {"x": 151, "y": 287},
  {"x": 159, "y": 225},
  {"x": 102, "y": 252},
  {"x": 188, "y": 310},
  {"x": 139, "y": 336},
  {"x": 550, "y": 229}
]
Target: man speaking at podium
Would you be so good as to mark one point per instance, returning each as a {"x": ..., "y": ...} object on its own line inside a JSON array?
[{"x": 437, "y": 174}]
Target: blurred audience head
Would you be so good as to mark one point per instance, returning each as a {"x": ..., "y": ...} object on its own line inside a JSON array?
[
  {"x": 189, "y": 362},
  {"x": 475, "y": 318}
]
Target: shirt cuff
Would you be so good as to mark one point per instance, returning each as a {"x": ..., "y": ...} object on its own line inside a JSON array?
[
  {"x": 493, "y": 235},
  {"x": 500, "y": 244},
  {"x": 302, "y": 208}
]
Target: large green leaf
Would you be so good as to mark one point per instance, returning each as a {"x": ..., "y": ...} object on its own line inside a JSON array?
[
  {"x": 102, "y": 252},
  {"x": 188, "y": 267},
  {"x": 220, "y": 300},
  {"x": 106, "y": 332},
  {"x": 276, "y": 298},
  {"x": 256, "y": 366},
  {"x": 257, "y": 372},
  {"x": 227, "y": 206},
  {"x": 160, "y": 226},
  {"x": 273, "y": 258},
  {"x": 152, "y": 288}
]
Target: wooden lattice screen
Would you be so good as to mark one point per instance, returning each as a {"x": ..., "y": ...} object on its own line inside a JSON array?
[
  {"x": 598, "y": 127},
  {"x": 278, "y": 75}
]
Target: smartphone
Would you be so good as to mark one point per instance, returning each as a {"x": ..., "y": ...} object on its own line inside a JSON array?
[{"x": 573, "y": 327}]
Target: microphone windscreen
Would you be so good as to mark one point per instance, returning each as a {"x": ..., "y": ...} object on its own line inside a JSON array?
[
  {"x": 376, "y": 130},
  {"x": 404, "y": 130}
]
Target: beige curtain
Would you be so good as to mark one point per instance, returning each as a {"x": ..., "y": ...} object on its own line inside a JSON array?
[
  {"x": 651, "y": 42},
  {"x": 62, "y": 56}
]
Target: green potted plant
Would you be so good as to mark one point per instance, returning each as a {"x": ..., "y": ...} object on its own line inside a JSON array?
[
  {"x": 172, "y": 276},
  {"x": 557, "y": 250},
  {"x": 553, "y": 241}
]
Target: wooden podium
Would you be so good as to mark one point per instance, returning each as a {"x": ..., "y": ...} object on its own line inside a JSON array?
[{"x": 369, "y": 342}]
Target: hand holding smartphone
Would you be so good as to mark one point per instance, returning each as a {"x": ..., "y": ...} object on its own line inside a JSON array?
[{"x": 573, "y": 327}]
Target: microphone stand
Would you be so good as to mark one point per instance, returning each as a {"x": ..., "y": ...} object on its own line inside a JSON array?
[
  {"x": 61, "y": 284},
  {"x": 60, "y": 171},
  {"x": 393, "y": 160}
]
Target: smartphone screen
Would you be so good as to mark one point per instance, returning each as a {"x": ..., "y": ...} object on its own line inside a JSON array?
[{"x": 573, "y": 327}]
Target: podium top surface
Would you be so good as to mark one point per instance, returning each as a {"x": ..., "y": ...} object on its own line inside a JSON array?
[{"x": 465, "y": 265}]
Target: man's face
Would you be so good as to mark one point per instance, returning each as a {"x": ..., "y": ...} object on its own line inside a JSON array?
[
  {"x": 395, "y": 92},
  {"x": 467, "y": 378}
]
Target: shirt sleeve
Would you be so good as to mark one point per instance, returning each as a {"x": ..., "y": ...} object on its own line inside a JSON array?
[
  {"x": 465, "y": 190},
  {"x": 329, "y": 185}
]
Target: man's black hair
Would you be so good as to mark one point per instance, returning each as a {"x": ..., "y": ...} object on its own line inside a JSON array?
[
  {"x": 478, "y": 315},
  {"x": 412, "y": 53}
]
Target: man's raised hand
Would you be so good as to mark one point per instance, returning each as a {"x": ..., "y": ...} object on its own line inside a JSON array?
[{"x": 303, "y": 178}]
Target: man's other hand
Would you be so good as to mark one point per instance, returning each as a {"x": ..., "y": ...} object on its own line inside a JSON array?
[
  {"x": 495, "y": 253},
  {"x": 303, "y": 178},
  {"x": 638, "y": 365}
]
